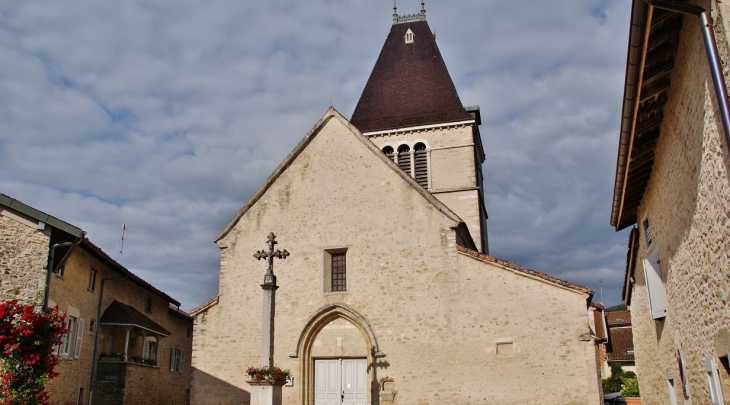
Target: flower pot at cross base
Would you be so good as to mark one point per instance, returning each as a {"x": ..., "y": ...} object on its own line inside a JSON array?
[{"x": 632, "y": 400}]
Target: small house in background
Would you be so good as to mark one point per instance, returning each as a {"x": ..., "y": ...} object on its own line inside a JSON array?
[
  {"x": 129, "y": 343},
  {"x": 620, "y": 344}
]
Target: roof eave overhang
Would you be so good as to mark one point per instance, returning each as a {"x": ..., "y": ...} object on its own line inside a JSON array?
[
  {"x": 40, "y": 215},
  {"x": 157, "y": 332},
  {"x": 632, "y": 85},
  {"x": 417, "y": 128}
]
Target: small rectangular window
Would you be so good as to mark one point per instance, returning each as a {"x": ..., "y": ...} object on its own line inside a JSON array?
[
  {"x": 647, "y": 233},
  {"x": 92, "y": 279},
  {"x": 339, "y": 272},
  {"x": 92, "y": 326},
  {"x": 682, "y": 373},
  {"x": 148, "y": 305},
  {"x": 80, "y": 400},
  {"x": 335, "y": 270},
  {"x": 713, "y": 382},
  {"x": 68, "y": 339},
  {"x": 672, "y": 390}
]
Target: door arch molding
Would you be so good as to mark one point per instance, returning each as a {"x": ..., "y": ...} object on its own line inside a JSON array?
[
  {"x": 311, "y": 329},
  {"x": 327, "y": 314}
]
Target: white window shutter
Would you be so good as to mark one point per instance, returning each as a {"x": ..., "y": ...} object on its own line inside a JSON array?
[
  {"x": 79, "y": 337},
  {"x": 172, "y": 359},
  {"x": 181, "y": 361},
  {"x": 714, "y": 382},
  {"x": 655, "y": 286}
]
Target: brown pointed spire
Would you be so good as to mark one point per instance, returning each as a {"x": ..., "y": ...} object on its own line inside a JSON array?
[{"x": 409, "y": 85}]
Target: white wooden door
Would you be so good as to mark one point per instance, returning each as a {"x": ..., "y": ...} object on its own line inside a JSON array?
[
  {"x": 327, "y": 382},
  {"x": 354, "y": 382},
  {"x": 340, "y": 382}
]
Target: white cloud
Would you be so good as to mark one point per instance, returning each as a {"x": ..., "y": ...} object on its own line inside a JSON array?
[{"x": 168, "y": 115}]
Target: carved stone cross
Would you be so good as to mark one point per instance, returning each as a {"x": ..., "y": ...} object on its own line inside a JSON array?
[
  {"x": 269, "y": 278},
  {"x": 269, "y": 306}
]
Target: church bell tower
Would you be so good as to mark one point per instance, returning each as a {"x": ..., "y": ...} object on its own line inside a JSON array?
[{"x": 411, "y": 111}]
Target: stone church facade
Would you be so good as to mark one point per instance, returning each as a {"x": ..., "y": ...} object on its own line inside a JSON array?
[{"x": 389, "y": 295}]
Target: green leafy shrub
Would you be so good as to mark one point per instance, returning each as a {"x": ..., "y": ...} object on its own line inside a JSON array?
[
  {"x": 619, "y": 380},
  {"x": 630, "y": 388}
]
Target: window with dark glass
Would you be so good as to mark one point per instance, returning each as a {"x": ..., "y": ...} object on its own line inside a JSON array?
[
  {"x": 92, "y": 280},
  {"x": 339, "y": 272}
]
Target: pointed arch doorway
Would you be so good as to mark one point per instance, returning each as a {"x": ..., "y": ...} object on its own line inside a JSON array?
[{"x": 337, "y": 348}]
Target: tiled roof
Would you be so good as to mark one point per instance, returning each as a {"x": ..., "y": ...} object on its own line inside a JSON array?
[
  {"x": 512, "y": 266},
  {"x": 621, "y": 344},
  {"x": 200, "y": 308},
  {"x": 173, "y": 310},
  {"x": 618, "y": 318},
  {"x": 600, "y": 326},
  {"x": 95, "y": 250},
  {"x": 123, "y": 314},
  {"x": 409, "y": 85}
]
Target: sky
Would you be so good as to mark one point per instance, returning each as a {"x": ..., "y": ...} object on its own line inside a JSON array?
[{"x": 167, "y": 115}]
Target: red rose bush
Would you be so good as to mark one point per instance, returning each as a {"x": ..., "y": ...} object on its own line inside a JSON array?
[{"x": 28, "y": 338}]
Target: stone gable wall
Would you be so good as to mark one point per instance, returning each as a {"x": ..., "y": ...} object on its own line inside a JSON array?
[
  {"x": 23, "y": 256},
  {"x": 687, "y": 202}
]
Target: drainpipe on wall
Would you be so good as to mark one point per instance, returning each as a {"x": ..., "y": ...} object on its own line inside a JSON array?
[
  {"x": 51, "y": 255},
  {"x": 96, "y": 335},
  {"x": 713, "y": 57}
]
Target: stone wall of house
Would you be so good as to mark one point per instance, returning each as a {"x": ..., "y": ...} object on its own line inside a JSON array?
[
  {"x": 72, "y": 294},
  {"x": 452, "y": 167},
  {"x": 454, "y": 330},
  {"x": 23, "y": 256},
  {"x": 687, "y": 203}
]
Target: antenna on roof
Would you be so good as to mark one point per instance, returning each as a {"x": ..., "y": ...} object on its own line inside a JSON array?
[
  {"x": 121, "y": 249},
  {"x": 601, "y": 280}
]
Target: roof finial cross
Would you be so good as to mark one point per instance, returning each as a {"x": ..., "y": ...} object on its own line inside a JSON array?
[
  {"x": 395, "y": 12},
  {"x": 269, "y": 278}
]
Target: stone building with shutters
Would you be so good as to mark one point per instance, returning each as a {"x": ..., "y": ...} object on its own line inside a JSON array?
[
  {"x": 128, "y": 342},
  {"x": 389, "y": 295},
  {"x": 673, "y": 189}
]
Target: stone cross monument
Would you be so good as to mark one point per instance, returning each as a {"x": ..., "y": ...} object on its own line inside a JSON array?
[{"x": 269, "y": 286}]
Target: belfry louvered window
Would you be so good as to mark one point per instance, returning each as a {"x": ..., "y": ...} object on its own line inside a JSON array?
[
  {"x": 388, "y": 150},
  {"x": 404, "y": 158},
  {"x": 420, "y": 164}
]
